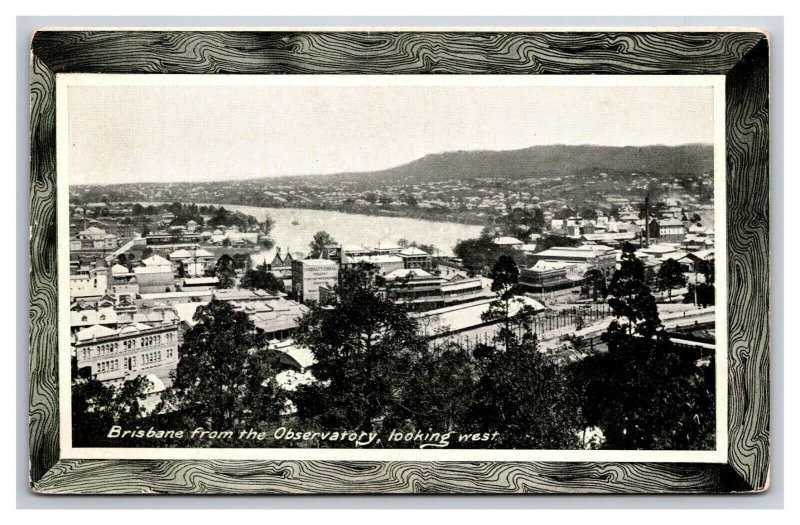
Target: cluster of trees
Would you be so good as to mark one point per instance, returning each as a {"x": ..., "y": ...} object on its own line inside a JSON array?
[
  {"x": 227, "y": 267},
  {"x": 96, "y": 407},
  {"x": 323, "y": 238},
  {"x": 376, "y": 371},
  {"x": 478, "y": 255},
  {"x": 259, "y": 278},
  {"x": 522, "y": 223},
  {"x": 644, "y": 393},
  {"x": 427, "y": 248},
  {"x": 218, "y": 216}
]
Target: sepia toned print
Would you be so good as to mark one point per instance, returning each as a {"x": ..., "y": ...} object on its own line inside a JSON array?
[{"x": 455, "y": 268}]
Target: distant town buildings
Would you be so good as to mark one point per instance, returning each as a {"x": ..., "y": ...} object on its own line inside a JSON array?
[
  {"x": 93, "y": 238},
  {"x": 134, "y": 295},
  {"x": 89, "y": 281},
  {"x": 156, "y": 275}
]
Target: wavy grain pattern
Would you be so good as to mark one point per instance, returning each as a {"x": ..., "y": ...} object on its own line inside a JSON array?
[
  {"x": 295, "y": 477},
  {"x": 743, "y": 57},
  {"x": 43, "y": 392},
  {"x": 383, "y": 52},
  {"x": 747, "y": 100}
]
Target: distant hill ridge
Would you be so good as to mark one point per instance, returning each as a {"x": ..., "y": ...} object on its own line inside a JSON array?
[{"x": 538, "y": 161}]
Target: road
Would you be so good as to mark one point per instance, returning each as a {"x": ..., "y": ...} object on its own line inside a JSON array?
[{"x": 674, "y": 317}]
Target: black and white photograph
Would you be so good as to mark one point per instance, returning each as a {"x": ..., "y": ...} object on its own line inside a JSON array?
[
  {"x": 412, "y": 261},
  {"x": 364, "y": 263}
]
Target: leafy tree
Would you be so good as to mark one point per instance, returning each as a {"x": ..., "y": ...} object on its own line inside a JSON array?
[
  {"x": 96, "y": 407},
  {"x": 225, "y": 376},
  {"x": 411, "y": 200},
  {"x": 595, "y": 284},
  {"x": 370, "y": 197},
  {"x": 262, "y": 279},
  {"x": 479, "y": 254},
  {"x": 564, "y": 213},
  {"x": 631, "y": 298},
  {"x": 224, "y": 271},
  {"x": 524, "y": 397},
  {"x": 181, "y": 270},
  {"x": 364, "y": 345},
  {"x": 439, "y": 390},
  {"x": 147, "y": 252},
  {"x": 670, "y": 276},
  {"x": 704, "y": 291},
  {"x": 505, "y": 283},
  {"x": 241, "y": 261},
  {"x": 645, "y": 394},
  {"x": 320, "y": 240},
  {"x": 226, "y": 241},
  {"x": 556, "y": 241}
]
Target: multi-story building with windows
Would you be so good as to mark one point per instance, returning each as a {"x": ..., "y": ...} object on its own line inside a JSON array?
[
  {"x": 550, "y": 277},
  {"x": 87, "y": 282},
  {"x": 309, "y": 274},
  {"x": 420, "y": 290},
  {"x": 93, "y": 238},
  {"x": 413, "y": 257},
  {"x": 116, "y": 355},
  {"x": 586, "y": 257}
]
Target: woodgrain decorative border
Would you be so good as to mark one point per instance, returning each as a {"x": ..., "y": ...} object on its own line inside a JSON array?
[{"x": 742, "y": 56}]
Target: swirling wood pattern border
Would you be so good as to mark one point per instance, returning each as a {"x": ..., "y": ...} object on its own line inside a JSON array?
[{"x": 741, "y": 56}]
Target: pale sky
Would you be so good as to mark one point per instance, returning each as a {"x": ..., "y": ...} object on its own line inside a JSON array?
[{"x": 202, "y": 133}]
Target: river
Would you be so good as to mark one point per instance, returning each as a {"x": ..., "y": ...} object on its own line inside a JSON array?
[{"x": 351, "y": 229}]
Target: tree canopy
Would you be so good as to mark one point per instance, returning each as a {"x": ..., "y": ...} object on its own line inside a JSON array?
[
  {"x": 670, "y": 276},
  {"x": 363, "y": 345},
  {"x": 260, "y": 278},
  {"x": 595, "y": 285},
  {"x": 225, "y": 375},
  {"x": 643, "y": 393},
  {"x": 224, "y": 270},
  {"x": 524, "y": 397},
  {"x": 96, "y": 407},
  {"x": 320, "y": 240}
]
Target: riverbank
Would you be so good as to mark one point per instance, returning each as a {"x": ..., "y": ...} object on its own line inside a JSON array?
[{"x": 294, "y": 228}]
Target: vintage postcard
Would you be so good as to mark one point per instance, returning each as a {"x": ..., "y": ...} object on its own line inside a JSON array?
[{"x": 395, "y": 269}]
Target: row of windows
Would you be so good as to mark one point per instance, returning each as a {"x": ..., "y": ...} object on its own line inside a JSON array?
[
  {"x": 129, "y": 363},
  {"x": 108, "y": 366},
  {"x": 107, "y": 348},
  {"x": 151, "y": 357},
  {"x": 128, "y": 344}
]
